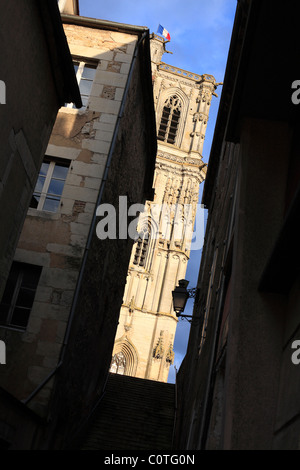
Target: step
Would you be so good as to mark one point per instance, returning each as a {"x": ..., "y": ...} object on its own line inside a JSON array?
[{"x": 134, "y": 414}]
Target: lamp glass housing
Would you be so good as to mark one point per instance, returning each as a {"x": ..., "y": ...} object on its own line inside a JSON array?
[{"x": 180, "y": 296}]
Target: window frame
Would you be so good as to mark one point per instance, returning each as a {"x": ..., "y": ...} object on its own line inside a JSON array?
[
  {"x": 143, "y": 243},
  {"x": 141, "y": 249},
  {"x": 81, "y": 65},
  {"x": 19, "y": 269},
  {"x": 43, "y": 194},
  {"x": 118, "y": 363},
  {"x": 170, "y": 120}
]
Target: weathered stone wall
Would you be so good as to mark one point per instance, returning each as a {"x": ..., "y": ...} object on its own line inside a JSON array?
[
  {"x": 56, "y": 241},
  {"x": 69, "y": 324},
  {"x": 27, "y": 117},
  {"x": 88, "y": 355},
  {"x": 18, "y": 424}
]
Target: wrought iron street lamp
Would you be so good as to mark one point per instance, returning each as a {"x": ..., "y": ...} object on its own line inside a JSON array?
[{"x": 180, "y": 296}]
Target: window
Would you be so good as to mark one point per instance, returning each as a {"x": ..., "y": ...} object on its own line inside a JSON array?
[
  {"x": 118, "y": 364},
  {"x": 19, "y": 294},
  {"x": 142, "y": 245},
  {"x": 85, "y": 74},
  {"x": 49, "y": 186},
  {"x": 169, "y": 120}
]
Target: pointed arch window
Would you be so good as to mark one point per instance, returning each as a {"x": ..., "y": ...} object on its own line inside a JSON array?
[
  {"x": 170, "y": 120},
  {"x": 142, "y": 245},
  {"x": 125, "y": 359},
  {"x": 118, "y": 364}
]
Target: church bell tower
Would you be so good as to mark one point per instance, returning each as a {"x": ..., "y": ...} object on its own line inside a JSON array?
[{"x": 147, "y": 324}]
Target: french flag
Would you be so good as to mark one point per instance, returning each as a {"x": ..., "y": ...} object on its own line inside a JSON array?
[{"x": 161, "y": 30}]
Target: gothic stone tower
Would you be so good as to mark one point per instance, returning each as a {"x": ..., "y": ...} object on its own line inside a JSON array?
[{"x": 144, "y": 340}]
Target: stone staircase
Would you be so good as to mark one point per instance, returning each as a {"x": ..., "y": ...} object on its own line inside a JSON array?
[{"x": 134, "y": 414}]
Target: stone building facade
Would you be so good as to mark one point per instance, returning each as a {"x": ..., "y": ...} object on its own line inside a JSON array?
[
  {"x": 145, "y": 336},
  {"x": 238, "y": 386},
  {"x": 27, "y": 112},
  {"x": 65, "y": 286}
]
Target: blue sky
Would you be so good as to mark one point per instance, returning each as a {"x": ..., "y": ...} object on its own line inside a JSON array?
[{"x": 200, "y": 36}]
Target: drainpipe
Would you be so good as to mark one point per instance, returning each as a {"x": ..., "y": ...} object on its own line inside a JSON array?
[{"x": 92, "y": 229}]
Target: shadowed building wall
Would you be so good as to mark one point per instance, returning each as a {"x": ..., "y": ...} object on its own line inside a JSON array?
[{"x": 238, "y": 385}]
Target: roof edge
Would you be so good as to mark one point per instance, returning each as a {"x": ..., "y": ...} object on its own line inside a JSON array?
[
  {"x": 239, "y": 33},
  {"x": 103, "y": 24}
]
